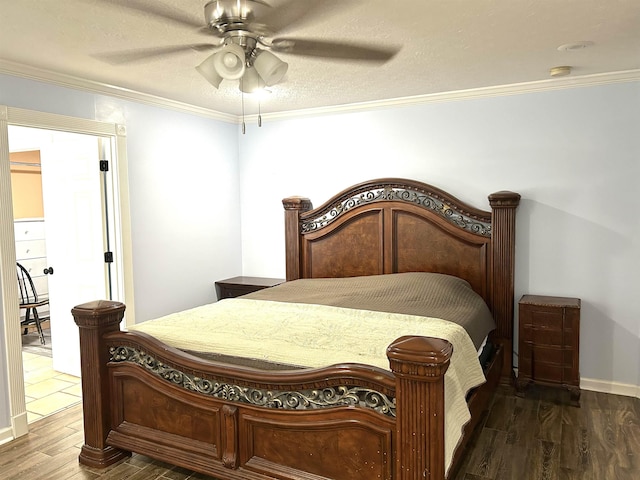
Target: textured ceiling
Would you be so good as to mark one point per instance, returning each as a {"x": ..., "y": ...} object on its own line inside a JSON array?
[{"x": 445, "y": 46}]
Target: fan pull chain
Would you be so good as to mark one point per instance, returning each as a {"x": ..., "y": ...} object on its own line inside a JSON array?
[
  {"x": 259, "y": 114},
  {"x": 244, "y": 127}
]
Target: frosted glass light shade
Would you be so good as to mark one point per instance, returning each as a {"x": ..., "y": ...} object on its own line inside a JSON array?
[
  {"x": 230, "y": 62},
  {"x": 251, "y": 81},
  {"x": 270, "y": 67},
  {"x": 208, "y": 71}
]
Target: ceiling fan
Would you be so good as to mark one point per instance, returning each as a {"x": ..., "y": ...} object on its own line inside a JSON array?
[{"x": 245, "y": 41}]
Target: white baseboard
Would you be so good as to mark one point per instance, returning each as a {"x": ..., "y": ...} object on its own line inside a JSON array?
[
  {"x": 6, "y": 435},
  {"x": 610, "y": 387},
  {"x": 605, "y": 386},
  {"x": 19, "y": 427}
]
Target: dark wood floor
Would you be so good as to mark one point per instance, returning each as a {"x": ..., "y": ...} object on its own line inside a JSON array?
[
  {"x": 543, "y": 437},
  {"x": 532, "y": 438}
]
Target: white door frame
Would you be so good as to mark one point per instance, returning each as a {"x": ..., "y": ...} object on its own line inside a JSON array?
[{"x": 123, "y": 284}]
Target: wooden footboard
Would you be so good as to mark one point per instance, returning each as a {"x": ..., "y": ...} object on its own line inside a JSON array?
[{"x": 344, "y": 422}]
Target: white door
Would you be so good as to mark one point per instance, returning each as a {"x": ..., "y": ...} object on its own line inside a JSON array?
[{"x": 73, "y": 210}]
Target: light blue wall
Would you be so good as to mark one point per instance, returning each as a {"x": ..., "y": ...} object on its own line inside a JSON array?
[
  {"x": 185, "y": 219},
  {"x": 573, "y": 155}
]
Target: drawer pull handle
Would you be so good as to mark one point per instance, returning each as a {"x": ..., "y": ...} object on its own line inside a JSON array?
[{"x": 48, "y": 271}]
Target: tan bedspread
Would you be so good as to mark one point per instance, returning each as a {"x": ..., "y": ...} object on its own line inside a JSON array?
[
  {"x": 318, "y": 336},
  {"x": 413, "y": 293}
]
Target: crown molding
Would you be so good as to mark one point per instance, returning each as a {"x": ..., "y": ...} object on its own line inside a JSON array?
[
  {"x": 33, "y": 73},
  {"x": 485, "y": 92},
  {"x": 62, "y": 80}
]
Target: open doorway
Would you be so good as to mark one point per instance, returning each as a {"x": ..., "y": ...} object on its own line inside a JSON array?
[
  {"x": 71, "y": 238},
  {"x": 28, "y": 219},
  {"x": 107, "y": 139},
  {"x": 60, "y": 225}
]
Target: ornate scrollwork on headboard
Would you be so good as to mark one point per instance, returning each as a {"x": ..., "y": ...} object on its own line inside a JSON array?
[{"x": 390, "y": 192}]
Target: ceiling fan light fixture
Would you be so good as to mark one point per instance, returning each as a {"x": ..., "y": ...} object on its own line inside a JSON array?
[
  {"x": 230, "y": 62},
  {"x": 208, "y": 70},
  {"x": 251, "y": 82},
  {"x": 270, "y": 68}
]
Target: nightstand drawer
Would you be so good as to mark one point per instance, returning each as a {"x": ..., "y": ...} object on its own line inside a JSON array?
[
  {"x": 541, "y": 315},
  {"x": 550, "y": 355},
  {"x": 545, "y": 372},
  {"x": 544, "y": 335},
  {"x": 237, "y": 286},
  {"x": 232, "y": 291}
]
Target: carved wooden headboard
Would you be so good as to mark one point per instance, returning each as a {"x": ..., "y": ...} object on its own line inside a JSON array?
[{"x": 394, "y": 225}]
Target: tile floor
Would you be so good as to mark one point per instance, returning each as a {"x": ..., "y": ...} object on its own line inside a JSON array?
[{"x": 46, "y": 390}]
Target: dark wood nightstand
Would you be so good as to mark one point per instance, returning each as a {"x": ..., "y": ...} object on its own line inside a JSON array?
[
  {"x": 236, "y": 286},
  {"x": 549, "y": 343}
]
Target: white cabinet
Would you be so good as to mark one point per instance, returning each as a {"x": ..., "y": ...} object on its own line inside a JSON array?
[{"x": 31, "y": 252}]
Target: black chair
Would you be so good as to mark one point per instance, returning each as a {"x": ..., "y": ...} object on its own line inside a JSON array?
[{"x": 30, "y": 302}]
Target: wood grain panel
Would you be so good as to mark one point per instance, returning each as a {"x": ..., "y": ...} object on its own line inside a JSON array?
[
  {"x": 420, "y": 244},
  {"x": 347, "y": 249},
  {"x": 351, "y": 448},
  {"x": 145, "y": 406}
]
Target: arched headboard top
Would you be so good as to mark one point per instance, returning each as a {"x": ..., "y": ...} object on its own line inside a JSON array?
[
  {"x": 424, "y": 195},
  {"x": 393, "y": 225}
]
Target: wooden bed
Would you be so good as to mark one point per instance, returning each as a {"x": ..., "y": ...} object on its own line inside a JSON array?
[{"x": 164, "y": 403}]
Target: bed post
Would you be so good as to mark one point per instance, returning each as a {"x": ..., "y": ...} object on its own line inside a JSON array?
[
  {"x": 503, "y": 207},
  {"x": 293, "y": 207},
  {"x": 419, "y": 364},
  {"x": 95, "y": 319}
]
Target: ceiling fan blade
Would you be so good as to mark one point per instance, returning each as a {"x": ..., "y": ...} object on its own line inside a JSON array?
[
  {"x": 141, "y": 54},
  {"x": 160, "y": 10},
  {"x": 293, "y": 13},
  {"x": 334, "y": 50}
]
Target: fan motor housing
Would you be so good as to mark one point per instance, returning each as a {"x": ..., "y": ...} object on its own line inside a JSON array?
[{"x": 229, "y": 15}]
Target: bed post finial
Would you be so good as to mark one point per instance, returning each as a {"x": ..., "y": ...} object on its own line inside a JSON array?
[
  {"x": 419, "y": 365},
  {"x": 293, "y": 207},
  {"x": 95, "y": 319},
  {"x": 503, "y": 207}
]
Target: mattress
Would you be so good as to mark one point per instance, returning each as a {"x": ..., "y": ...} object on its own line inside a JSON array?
[
  {"x": 413, "y": 293},
  {"x": 293, "y": 328}
]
